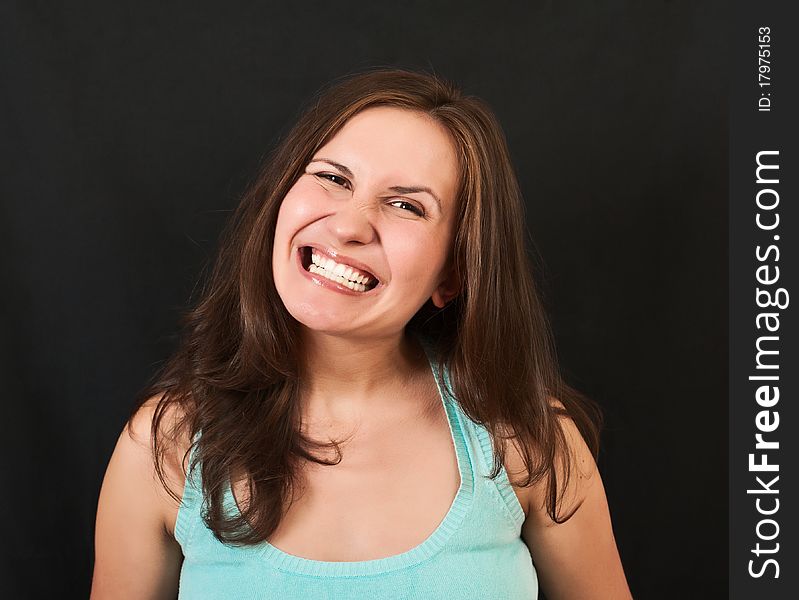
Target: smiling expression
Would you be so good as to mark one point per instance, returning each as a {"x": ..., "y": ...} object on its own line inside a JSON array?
[{"x": 378, "y": 199}]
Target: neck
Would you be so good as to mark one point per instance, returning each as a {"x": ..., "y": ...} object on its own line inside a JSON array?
[{"x": 345, "y": 378}]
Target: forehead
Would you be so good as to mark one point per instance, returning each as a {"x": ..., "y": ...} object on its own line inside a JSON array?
[{"x": 395, "y": 143}]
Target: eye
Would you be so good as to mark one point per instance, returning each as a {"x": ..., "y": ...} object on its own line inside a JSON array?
[
  {"x": 415, "y": 209},
  {"x": 337, "y": 179}
]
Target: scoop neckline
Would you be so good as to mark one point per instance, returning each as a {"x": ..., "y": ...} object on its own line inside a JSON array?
[{"x": 428, "y": 547}]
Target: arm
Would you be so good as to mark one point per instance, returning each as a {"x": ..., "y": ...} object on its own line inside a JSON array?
[
  {"x": 578, "y": 559},
  {"x": 135, "y": 556}
]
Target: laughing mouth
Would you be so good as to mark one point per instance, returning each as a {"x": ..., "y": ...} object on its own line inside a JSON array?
[{"x": 355, "y": 279}]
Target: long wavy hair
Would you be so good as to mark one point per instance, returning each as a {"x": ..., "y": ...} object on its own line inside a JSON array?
[{"x": 235, "y": 374}]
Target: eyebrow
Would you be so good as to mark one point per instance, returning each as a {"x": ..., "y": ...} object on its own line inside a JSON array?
[{"x": 400, "y": 189}]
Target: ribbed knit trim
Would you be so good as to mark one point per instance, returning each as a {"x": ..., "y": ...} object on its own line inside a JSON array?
[
  {"x": 429, "y": 547},
  {"x": 502, "y": 480},
  {"x": 191, "y": 495}
]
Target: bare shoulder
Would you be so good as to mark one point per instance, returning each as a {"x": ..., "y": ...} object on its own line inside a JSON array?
[
  {"x": 582, "y": 471},
  {"x": 578, "y": 557},
  {"x": 574, "y": 464},
  {"x": 175, "y": 452},
  {"x": 136, "y": 555}
]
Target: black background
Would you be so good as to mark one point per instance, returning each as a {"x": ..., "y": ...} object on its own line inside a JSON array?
[{"x": 128, "y": 130}]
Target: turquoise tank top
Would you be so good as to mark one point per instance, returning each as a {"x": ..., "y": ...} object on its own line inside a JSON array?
[{"x": 475, "y": 553}]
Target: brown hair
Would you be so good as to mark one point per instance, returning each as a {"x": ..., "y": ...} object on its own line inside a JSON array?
[{"x": 234, "y": 376}]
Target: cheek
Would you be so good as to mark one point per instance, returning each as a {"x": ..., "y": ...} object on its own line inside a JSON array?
[
  {"x": 417, "y": 259},
  {"x": 302, "y": 205}
]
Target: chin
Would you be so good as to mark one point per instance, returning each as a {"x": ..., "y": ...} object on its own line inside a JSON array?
[{"x": 323, "y": 321}]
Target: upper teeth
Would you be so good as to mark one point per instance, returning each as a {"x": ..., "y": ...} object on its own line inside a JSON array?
[{"x": 339, "y": 269}]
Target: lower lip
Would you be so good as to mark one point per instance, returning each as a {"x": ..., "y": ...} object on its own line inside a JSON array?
[{"x": 327, "y": 283}]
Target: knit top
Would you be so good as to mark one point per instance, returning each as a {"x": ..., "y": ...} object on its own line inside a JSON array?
[{"x": 476, "y": 552}]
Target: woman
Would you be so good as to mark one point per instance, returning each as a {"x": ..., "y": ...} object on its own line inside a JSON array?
[{"x": 365, "y": 373}]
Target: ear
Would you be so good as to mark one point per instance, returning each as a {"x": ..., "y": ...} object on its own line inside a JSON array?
[{"x": 447, "y": 289}]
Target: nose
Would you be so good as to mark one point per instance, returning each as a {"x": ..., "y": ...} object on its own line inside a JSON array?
[{"x": 351, "y": 223}]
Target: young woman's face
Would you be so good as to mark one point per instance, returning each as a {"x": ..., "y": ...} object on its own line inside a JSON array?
[{"x": 378, "y": 200}]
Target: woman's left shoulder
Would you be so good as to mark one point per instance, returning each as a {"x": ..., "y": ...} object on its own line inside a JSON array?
[
  {"x": 577, "y": 556},
  {"x": 582, "y": 471}
]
